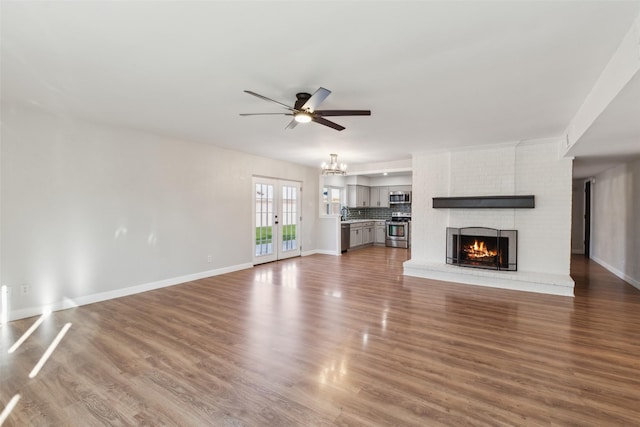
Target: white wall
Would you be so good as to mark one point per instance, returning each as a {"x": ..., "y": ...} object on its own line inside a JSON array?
[
  {"x": 89, "y": 210},
  {"x": 329, "y": 238},
  {"x": 616, "y": 221},
  {"x": 379, "y": 181},
  {"x": 380, "y": 167},
  {"x": 544, "y": 233},
  {"x": 389, "y": 181}
]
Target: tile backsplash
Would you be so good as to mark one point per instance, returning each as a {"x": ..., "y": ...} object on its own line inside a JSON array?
[{"x": 376, "y": 213}]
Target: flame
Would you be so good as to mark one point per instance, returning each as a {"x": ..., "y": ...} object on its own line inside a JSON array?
[{"x": 478, "y": 250}]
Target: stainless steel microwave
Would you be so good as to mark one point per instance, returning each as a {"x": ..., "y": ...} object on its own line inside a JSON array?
[{"x": 399, "y": 197}]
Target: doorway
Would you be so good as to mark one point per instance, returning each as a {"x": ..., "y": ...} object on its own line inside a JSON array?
[
  {"x": 276, "y": 219},
  {"x": 587, "y": 218}
]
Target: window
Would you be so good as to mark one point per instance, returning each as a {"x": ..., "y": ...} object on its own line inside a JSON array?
[{"x": 331, "y": 198}]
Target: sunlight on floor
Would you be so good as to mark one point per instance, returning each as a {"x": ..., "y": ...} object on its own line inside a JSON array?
[
  {"x": 49, "y": 351},
  {"x": 28, "y": 333},
  {"x": 7, "y": 411}
]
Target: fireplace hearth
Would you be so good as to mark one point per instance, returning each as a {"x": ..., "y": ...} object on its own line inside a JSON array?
[{"x": 481, "y": 247}]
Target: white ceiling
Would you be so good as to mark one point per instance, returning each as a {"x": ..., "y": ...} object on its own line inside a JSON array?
[
  {"x": 435, "y": 74},
  {"x": 614, "y": 137}
]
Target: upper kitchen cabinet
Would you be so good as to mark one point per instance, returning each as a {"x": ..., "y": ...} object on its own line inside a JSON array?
[
  {"x": 379, "y": 197},
  {"x": 400, "y": 188},
  {"x": 358, "y": 196}
]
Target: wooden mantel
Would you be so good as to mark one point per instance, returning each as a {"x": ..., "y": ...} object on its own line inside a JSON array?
[{"x": 484, "y": 202}]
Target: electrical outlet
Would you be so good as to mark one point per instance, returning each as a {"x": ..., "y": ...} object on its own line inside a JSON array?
[
  {"x": 5, "y": 291},
  {"x": 209, "y": 258},
  {"x": 24, "y": 289}
]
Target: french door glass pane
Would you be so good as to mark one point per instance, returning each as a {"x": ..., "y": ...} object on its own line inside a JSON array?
[
  {"x": 289, "y": 218},
  {"x": 264, "y": 215}
]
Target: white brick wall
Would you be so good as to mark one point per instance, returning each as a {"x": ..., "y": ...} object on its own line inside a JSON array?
[
  {"x": 544, "y": 233},
  {"x": 428, "y": 226},
  {"x": 483, "y": 172}
]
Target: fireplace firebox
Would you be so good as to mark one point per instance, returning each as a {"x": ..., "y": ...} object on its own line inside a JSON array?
[{"x": 481, "y": 247}]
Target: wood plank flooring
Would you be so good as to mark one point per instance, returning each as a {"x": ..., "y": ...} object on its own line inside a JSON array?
[{"x": 325, "y": 340}]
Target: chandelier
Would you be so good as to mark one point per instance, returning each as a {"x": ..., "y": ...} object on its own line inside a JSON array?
[{"x": 333, "y": 167}]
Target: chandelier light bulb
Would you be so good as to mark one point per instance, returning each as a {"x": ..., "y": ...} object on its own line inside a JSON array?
[{"x": 333, "y": 167}]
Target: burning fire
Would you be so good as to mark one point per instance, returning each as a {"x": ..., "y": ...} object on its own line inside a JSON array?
[{"x": 478, "y": 250}]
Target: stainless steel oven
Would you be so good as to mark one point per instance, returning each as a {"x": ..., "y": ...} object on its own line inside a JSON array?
[{"x": 398, "y": 230}]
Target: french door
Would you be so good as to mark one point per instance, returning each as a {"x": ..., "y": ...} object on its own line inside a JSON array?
[{"x": 276, "y": 219}]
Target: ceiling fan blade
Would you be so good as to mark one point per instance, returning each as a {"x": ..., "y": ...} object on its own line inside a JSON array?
[
  {"x": 266, "y": 114},
  {"x": 270, "y": 100},
  {"x": 343, "y": 112},
  {"x": 293, "y": 123},
  {"x": 316, "y": 99},
  {"x": 326, "y": 122}
]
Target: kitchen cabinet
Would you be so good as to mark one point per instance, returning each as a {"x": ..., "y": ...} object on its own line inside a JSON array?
[
  {"x": 379, "y": 197},
  {"x": 400, "y": 188},
  {"x": 358, "y": 196},
  {"x": 362, "y": 234},
  {"x": 368, "y": 233},
  {"x": 355, "y": 236},
  {"x": 380, "y": 233}
]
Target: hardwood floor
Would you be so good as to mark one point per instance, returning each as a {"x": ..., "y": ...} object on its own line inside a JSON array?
[{"x": 325, "y": 340}]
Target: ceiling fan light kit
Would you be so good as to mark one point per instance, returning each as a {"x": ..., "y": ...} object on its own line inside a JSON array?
[
  {"x": 302, "y": 117},
  {"x": 333, "y": 167},
  {"x": 304, "y": 109}
]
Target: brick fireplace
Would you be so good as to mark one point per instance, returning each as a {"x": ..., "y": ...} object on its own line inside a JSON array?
[{"x": 542, "y": 254}]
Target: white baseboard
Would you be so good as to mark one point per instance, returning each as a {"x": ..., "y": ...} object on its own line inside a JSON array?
[
  {"x": 621, "y": 274},
  {"x": 320, "y": 252},
  {"x": 67, "y": 303},
  {"x": 553, "y": 284}
]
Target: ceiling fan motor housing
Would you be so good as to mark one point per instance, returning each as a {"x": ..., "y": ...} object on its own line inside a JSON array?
[{"x": 302, "y": 97}]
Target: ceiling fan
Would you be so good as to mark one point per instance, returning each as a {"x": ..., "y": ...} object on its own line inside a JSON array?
[{"x": 304, "y": 109}]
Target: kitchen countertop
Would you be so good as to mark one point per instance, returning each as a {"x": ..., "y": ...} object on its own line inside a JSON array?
[{"x": 356, "y": 221}]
